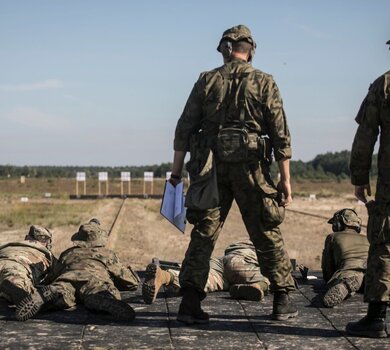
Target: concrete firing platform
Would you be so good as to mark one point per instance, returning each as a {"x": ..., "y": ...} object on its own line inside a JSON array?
[{"x": 233, "y": 325}]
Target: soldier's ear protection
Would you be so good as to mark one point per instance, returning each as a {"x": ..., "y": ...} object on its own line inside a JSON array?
[
  {"x": 338, "y": 222},
  {"x": 226, "y": 48},
  {"x": 252, "y": 53}
]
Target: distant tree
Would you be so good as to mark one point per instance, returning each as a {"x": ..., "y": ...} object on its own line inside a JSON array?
[{"x": 327, "y": 166}]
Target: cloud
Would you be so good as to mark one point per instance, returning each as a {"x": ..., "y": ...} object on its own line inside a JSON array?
[
  {"x": 36, "y": 119},
  {"x": 39, "y": 85},
  {"x": 312, "y": 32}
]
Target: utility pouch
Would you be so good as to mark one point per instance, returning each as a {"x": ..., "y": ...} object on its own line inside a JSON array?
[
  {"x": 203, "y": 191},
  {"x": 232, "y": 145},
  {"x": 265, "y": 149}
]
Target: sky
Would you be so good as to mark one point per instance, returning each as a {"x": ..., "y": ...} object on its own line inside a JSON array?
[{"x": 103, "y": 82}]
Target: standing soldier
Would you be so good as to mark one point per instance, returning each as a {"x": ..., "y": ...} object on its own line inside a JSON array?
[
  {"x": 232, "y": 122},
  {"x": 25, "y": 264},
  {"x": 88, "y": 273},
  {"x": 374, "y": 119},
  {"x": 344, "y": 258}
]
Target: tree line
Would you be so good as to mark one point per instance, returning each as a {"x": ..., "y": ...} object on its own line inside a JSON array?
[{"x": 327, "y": 166}]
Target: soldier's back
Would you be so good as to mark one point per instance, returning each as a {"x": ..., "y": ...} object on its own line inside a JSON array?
[
  {"x": 84, "y": 263},
  {"x": 27, "y": 253},
  {"x": 350, "y": 250}
]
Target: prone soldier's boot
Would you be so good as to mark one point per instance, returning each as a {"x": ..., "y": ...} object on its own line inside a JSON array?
[
  {"x": 31, "y": 305},
  {"x": 155, "y": 278},
  {"x": 250, "y": 291},
  {"x": 340, "y": 291},
  {"x": 106, "y": 302},
  {"x": 190, "y": 311},
  {"x": 373, "y": 325},
  {"x": 283, "y": 307},
  {"x": 13, "y": 292}
]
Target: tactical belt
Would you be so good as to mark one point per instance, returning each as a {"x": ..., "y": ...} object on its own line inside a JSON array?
[{"x": 235, "y": 142}]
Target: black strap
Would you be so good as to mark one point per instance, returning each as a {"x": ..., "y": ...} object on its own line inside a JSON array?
[{"x": 229, "y": 88}]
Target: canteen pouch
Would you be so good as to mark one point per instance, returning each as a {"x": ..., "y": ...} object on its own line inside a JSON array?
[
  {"x": 203, "y": 191},
  {"x": 232, "y": 145}
]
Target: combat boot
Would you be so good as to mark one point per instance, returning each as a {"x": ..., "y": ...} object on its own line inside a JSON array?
[
  {"x": 31, "y": 305},
  {"x": 373, "y": 325},
  {"x": 13, "y": 292},
  {"x": 105, "y": 302},
  {"x": 251, "y": 292},
  {"x": 283, "y": 308},
  {"x": 340, "y": 291},
  {"x": 155, "y": 278},
  {"x": 190, "y": 311}
]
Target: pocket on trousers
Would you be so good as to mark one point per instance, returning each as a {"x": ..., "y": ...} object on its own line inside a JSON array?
[
  {"x": 272, "y": 214},
  {"x": 378, "y": 227}
]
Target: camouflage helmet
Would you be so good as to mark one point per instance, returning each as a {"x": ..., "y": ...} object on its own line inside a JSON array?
[
  {"x": 237, "y": 33},
  {"x": 39, "y": 233},
  {"x": 345, "y": 217},
  {"x": 90, "y": 235}
]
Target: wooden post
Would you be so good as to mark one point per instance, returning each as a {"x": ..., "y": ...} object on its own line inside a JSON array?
[
  {"x": 125, "y": 176},
  {"x": 103, "y": 177},
  {"x": 80, "y": 177},
  {"x": 148, "y": 177}
]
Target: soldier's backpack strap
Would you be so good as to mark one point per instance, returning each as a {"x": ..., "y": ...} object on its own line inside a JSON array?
[
  {"x": 241, "y": 99},
  {"x": 229, "y": 89},
  {"x": 226, "y": 82}
]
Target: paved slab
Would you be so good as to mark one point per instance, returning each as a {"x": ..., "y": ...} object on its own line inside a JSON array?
[{"x": 234, "y": 325}]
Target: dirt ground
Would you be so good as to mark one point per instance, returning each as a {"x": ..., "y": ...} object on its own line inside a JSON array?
[{"x": 141, "y": 233}]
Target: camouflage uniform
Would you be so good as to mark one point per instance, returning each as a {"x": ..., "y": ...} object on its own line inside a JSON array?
[
  {"x": 374, "y": 118},
  {"x": 24, "y": 265},
  {"x": 344, "y": 255},
  {"x": 88, "y": 273},
  {"x": 88, "y": 269},
  {"x": 239, "y": 265},
  {"x": 248, "y": 182}
]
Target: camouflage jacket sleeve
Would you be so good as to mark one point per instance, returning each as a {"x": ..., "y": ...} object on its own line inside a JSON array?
[
  {"x": 124, "y": 277},
  {"x": 52, "y": 272},
  {"x": 368, "y": 119},
  {"x": 327, "y": 263},
  {"x": 276, "y": 121},
  {"x": 190, "y": 120}
]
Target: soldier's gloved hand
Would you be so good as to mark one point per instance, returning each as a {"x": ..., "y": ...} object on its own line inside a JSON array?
[
  {"x": 285, "y": 188},
  {"x": 360, "y": 192}
]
